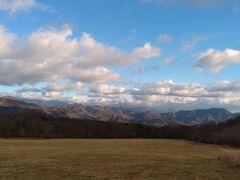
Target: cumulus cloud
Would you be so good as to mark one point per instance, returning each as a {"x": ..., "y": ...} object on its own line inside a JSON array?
[
  {"x": 63, "y": 87},
  {"x": 53, "y": 54},
  {"x": 111, "y": 99},
  {"x": 6, "y": 39},
  {"x": 190, "y": 44},
  {"x": 166, "y": 61},
  {"x": 51, "y": 94},
  {"x": 164, "y": 38},
  {"x": 225, "y": 86},
  {"x": 156, "y": 66},
  {"x": 169, "y": 88},
  {"x": 97, "y": 53},
  {"x": 28, "y": 89},
  {"x": 187, "y": 95},
  {"x": 77, "y": 99},
  {"x": 189, "y": 3},
  {"x": 107, "y": 89},
  {"x": 53, "y": 91},
  {"x": 163, "y": 94},
  {"x": 76, "y": 92},
  {"x": 14, "y": 6},
  {"x": 217, "y": 60},
  {"x": 158, "y": 100}
]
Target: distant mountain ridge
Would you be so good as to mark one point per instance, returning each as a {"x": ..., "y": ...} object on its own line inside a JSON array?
[
  {"x": 9, "y": 101},
  {"x": 14, "y": 106},
  {"x": 114, "y": 114}
]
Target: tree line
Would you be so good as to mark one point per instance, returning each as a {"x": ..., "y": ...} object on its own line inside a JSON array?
[{"x": 42, "y": 126}]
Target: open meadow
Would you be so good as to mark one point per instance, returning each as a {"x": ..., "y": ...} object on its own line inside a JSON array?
[{"x": 112, "y": 159}]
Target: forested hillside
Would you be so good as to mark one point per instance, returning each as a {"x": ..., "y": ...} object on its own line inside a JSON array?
[{"x": 40, "y": 126}]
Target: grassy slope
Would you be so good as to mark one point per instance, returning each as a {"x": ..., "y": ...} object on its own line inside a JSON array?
[{"x": 111, "y": 159}]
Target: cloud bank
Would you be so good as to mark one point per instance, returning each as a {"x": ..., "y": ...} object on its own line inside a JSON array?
[
  {"x": 52, "y": 54},
  {"x": 162, "y": 94}
]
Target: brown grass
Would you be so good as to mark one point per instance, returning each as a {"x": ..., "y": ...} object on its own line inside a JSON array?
[
  {"x": 121, "y": 159},
  {"x": 231, "y": 157}
]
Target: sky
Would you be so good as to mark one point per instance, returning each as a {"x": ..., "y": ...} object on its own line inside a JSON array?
[{"x": 164, "y": 54}]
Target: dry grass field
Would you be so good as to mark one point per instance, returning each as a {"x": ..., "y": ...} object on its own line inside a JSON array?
[
  {"x": 113, "y": 159},
  {"x": 231, "y": 157}
]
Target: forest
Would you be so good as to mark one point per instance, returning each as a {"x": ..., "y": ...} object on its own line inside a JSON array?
[{"x": 41, "y": 126}]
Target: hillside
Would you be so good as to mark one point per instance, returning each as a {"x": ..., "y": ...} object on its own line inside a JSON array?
[{"x": 42, "y": 126}]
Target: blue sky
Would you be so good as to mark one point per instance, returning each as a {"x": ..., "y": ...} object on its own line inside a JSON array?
[{"x": 139, "y": 52}]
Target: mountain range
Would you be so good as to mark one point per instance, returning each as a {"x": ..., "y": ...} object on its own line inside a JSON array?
[{"x": 115, "y": 114}]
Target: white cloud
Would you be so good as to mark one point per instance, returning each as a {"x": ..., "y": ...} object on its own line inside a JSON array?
[
  {"x": 225, "y": 86},
  {"x": 158, "y": 100},
  {"x": 190, "y": 44},
  {"x": 110, "y": 100},
  {"x": 169, "y": 88},
  {"x": 170, "y": 95},
  {"x": 97, "y": 53},
  {"x": 217, "y": 60},
  {"x": 53, "y": 54},
  {"x": 145, "y": 52},
  {"x": 6, "y": 40},
  {"x": 29, "y": 89},
  {"x": 163, "y": 94},
  {"x": 14, "y": 6},
  {"x": 164, "y": 38},
  {"x": 64, "y": 86},
  {"x": 156, "y": 66},
  {"x": 51, "y": 94},
  {"x": 166, "y": 61},
  {"x": 78, "y": 99},
  {"x": 107, "y": 89}
]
